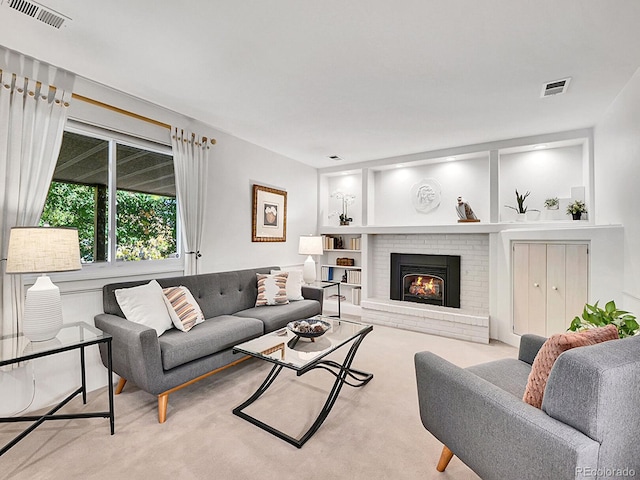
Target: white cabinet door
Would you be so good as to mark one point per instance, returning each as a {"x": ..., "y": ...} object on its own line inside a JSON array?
[
  {"x": 537, "y": 309},
  {"x": 550, "y": 286},
  {"x": 556, "y": 291},
  {"x": 577, "y": 286},
  {"x": 520, "y": 288}
]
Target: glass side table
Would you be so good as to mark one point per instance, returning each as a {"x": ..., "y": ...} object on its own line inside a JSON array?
[
  {"x": 72, "y": 336},
  {"x": 326, "y": 284}
]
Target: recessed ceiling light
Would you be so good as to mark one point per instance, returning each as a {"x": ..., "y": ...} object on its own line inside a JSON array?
[
  {"x": 451, "y": 159},
  {"x": 399, "y": 165},
  {"x": 539, "y": 147},
  {"x": 334, "y": 157}
]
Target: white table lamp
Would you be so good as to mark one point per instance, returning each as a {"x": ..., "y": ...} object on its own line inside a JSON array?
[
  {"x": 310, "y": 245},
  {"x": 42, "y": 250}
]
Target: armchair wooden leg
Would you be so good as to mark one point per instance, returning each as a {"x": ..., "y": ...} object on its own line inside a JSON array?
[
  {"x": 445, "y": 458},
  {"x": 163, "y": 401},
  {"x": 120, "y": 386}
]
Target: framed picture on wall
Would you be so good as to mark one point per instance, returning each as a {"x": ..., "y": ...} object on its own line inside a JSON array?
[{"x": 269, "y": 215}]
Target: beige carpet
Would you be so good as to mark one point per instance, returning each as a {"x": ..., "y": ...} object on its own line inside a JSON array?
[{"x": 372, "y": 432}]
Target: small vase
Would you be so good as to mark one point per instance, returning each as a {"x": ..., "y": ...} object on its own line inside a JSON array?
[
  {"x": 576, "y": 216},
  {"x": 522, "y": 217},
  {"x": 344, "y": 222}
]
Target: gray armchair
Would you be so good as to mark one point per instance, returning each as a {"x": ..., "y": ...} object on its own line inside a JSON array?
[{"x": 588, "y": 427}]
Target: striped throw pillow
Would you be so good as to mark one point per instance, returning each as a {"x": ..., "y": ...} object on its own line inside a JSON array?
[
  {"x": 272, "y": 289},
  {"x": 183, "y": 308}
]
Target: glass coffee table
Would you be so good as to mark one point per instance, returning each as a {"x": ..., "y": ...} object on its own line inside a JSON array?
[{"x": 285, "y": 349}]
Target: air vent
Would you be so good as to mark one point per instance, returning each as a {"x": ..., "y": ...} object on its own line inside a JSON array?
[
  {"x": 39, "y": 12},
  {"x": 335, "y": 157},
  {"x": 556, "y": 87}
]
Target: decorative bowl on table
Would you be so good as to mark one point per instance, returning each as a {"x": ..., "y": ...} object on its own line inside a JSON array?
[{"x": 309, "y": 328}]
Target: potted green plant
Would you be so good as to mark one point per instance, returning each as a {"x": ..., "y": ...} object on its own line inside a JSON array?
[
  {"x": 593, "y": 316},
  {"x": 576, "y": 209},
  {"x": 521, "y": 209},
  {"x": 551, "y": 203}
]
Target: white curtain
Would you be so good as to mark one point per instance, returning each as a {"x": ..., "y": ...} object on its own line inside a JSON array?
[
  {"x": 32, "y": 118},
  {"x": 190, "y": 160}
]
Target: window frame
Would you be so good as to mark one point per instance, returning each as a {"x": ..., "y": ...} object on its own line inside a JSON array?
[{"x": 111, "y": 267}]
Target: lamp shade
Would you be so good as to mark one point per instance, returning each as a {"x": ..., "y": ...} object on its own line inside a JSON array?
[
  {"x": 43, "y": 249},
  {"x": 310, "y": 245}
]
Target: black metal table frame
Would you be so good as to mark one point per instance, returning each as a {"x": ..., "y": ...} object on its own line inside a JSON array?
[
  {"x": 341, "y": 371},
  {"x": 51, "y": 414},
  {"x": 329, "y": 284}
]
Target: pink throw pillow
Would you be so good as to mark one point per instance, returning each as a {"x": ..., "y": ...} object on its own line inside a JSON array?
[{"x": 551, "y": 350}]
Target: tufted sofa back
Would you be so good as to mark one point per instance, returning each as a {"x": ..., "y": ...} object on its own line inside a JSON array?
[{"x": 221, "y": 293}]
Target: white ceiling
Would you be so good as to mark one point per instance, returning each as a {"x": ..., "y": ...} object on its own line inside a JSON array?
[{"x": 362, "y": 79}]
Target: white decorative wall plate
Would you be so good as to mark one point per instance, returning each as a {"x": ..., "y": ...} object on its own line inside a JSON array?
[{"x": 426, "y": 195}]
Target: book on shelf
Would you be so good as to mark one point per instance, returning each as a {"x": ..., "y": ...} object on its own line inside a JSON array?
[
  {"x": 326, "y": 273},
  {"x": 354, "y": 276},
  {"x": 356, "y": 295},
  {"x": 330, "y": 242}
]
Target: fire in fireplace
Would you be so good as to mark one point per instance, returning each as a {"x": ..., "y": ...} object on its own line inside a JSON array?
[
  {"x": 428, "y": 287},
  {"x": 432, "y": 279}
]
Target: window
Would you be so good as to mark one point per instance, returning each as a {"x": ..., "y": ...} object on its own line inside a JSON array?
[{"x": 120, "y": 195}]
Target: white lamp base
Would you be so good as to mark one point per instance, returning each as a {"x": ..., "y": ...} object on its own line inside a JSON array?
[
  {"x": 309, "y": 270},
  {"x": 42, "y": 311}
]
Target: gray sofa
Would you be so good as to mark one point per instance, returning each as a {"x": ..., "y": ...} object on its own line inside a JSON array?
[
  {"x": 165, "y": 364},
  {"x": 588, "y": 427}
]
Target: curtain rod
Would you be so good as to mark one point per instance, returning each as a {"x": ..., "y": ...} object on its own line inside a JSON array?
[{"x": 122, "y": 111}]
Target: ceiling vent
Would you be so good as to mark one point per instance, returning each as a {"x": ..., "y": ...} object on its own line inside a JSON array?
[
  {"x": 556, "y": 87},
  {"x": 335, "y": 157},
  {"x": 39, "y": 12}
]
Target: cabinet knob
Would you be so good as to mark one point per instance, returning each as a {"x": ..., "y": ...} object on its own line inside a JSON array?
[
  {"x": 536, "y": 285},
  {"x": 554, "y": 287}
]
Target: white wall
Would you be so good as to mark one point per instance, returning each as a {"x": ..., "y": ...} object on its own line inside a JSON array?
[
  {"x": 466, "y": 178},
  {"x": 545, "y": 173},
  {"x": 617, "y": 171},
  {"x": 235, "y": 165}
]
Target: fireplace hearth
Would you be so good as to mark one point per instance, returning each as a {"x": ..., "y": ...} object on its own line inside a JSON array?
[{"x": 424, "y": 278}]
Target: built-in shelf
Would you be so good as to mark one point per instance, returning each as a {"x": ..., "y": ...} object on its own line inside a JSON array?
[
  {"x": 350, "y": 273},
  {"x": 341, "y": 250},
  {"x": 346, "y": 267},
  {"x": 479, "y": 227}
]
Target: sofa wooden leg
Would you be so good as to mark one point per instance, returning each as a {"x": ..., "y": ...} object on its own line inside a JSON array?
[
  {"x": 163, "y": 401},
  {"x": 120, "y": 386},
  {"x": 445, "y": 458}
]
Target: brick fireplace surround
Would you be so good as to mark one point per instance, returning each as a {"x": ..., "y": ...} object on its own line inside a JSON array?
[{"x": 469, "y": 322}]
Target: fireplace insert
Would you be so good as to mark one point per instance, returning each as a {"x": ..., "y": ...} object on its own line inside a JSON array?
[{"x": 423, "y": 278}]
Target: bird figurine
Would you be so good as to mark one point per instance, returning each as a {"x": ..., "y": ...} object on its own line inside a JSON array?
[{"x": 465, "y": 213}]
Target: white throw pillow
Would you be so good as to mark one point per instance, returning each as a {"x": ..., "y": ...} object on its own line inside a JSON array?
[
  {"x": 294, "y": 284},
  {"x": 145, "y": 305},
  {"x": 183, "y": 308},
  {"x": 272, "y": 289}
]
